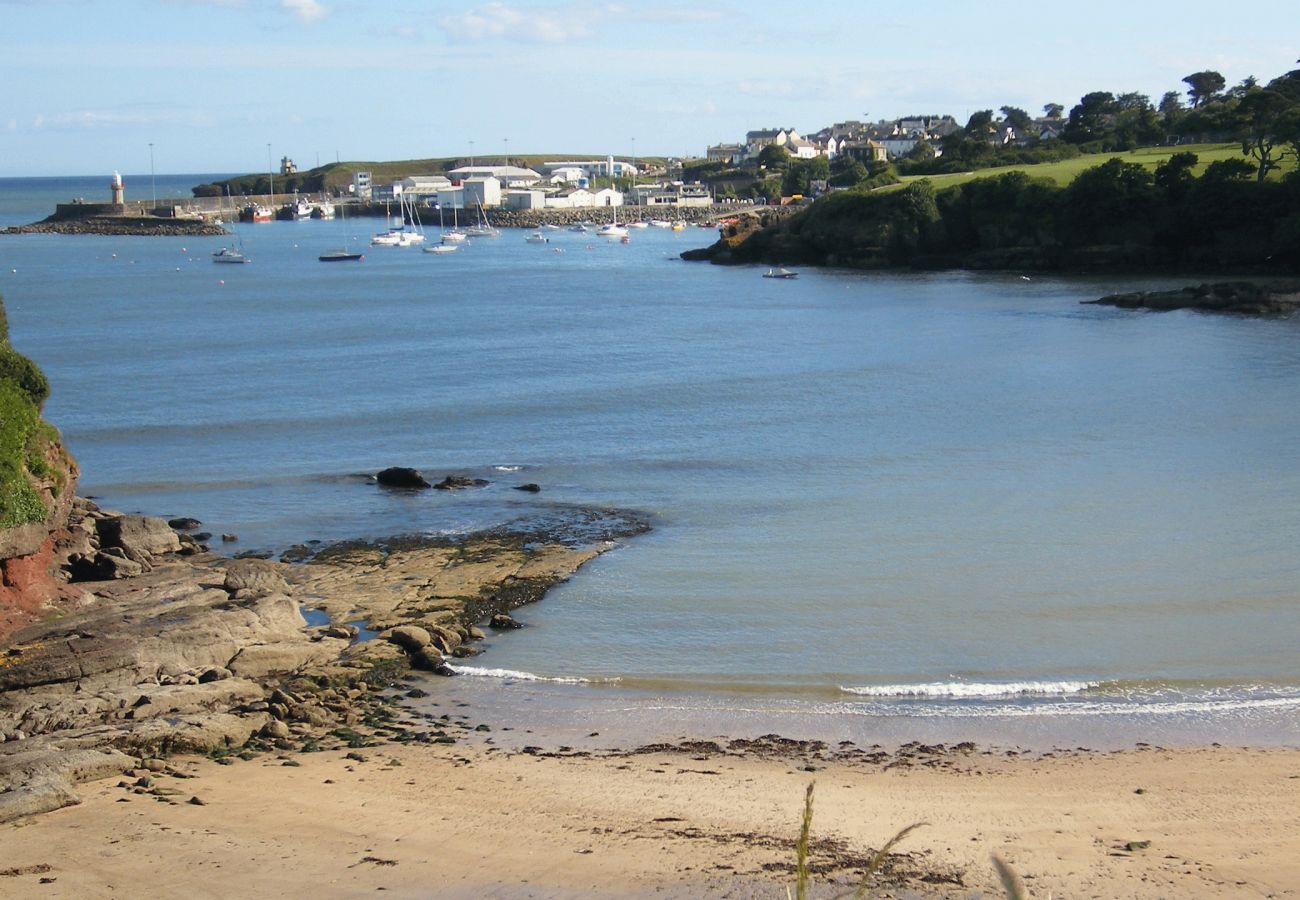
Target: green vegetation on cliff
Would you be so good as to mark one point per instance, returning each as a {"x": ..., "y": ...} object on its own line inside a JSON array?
[
  {"x": 26, "y": 441},
  {"x": 1116, "y": 215}
]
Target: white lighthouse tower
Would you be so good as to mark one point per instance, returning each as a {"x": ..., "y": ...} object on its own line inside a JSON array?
[{"x": 119, "y": 193}]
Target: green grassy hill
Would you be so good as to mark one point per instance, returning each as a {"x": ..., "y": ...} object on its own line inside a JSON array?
[{"x": 1065, "y": 171}]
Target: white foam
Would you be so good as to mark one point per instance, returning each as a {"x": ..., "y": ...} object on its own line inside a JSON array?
[
  {"x": 513, "y": 675},
  {"x": 508, "y": 468},
  {"x": 973, "y": 690}
]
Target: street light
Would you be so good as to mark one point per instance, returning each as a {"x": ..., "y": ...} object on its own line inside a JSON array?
[
  {"x": 506, "y": 160},
  {"x": 270, "y": 171},
  {"x": 471, "y": 154},
  {"x": 153, "y": 184},
  {"x": 634, "y": 196}
]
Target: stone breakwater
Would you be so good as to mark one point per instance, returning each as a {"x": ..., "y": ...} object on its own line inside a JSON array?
[
  {"x": 120, "y": 225},
  {"x": 169, "y": 649}
]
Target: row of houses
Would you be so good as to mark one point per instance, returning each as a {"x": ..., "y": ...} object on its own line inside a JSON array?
[{"x": 873, "y": 140}]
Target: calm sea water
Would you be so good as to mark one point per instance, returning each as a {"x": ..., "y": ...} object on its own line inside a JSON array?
[{"x": 938, "y": 505}]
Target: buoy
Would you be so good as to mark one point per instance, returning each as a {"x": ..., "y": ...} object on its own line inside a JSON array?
[
  {"x": 183, "y": 250},
  {"x": 222, "y": 281},
  {"x": 178, "y": 268}
]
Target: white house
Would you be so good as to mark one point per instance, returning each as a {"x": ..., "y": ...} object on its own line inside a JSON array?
[
  {"x": 800, "y": 148},
  {"x": 673, "y": 194},
  {"x": 510, "y": 176},
  {"x": 481, "y": 191},
  {"x": 609, "y": 166},
  {"x": 525, "y": 200},
  {"x": 423, "y": 186},
  {"x": 567, "y": 175},
  {"x": 582, "y": 198}
]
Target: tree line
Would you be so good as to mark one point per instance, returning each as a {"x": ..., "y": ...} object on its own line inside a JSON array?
[{"x": 1116, "y": 215}]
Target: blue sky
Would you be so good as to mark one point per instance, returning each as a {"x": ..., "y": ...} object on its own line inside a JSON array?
[{"x": 89, "y": 85}]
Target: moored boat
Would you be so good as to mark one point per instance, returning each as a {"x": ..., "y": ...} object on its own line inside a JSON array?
[
  {"x": 229, "y": 255},
  {"x": 780, "y": 273},
  {"x": 341, "y": 256}
]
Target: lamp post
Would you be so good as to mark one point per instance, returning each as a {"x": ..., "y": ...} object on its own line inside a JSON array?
[
  {"x": 505, "y": 161},
  {"x": 634, "y": 197},
  {"x": 270, "y": 171},
  {"x": 153, "y": 184},
  {"x": 471, "y": 154}
]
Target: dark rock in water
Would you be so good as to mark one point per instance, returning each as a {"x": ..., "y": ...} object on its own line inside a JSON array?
[
  {"x": 502, "y": 622},
  {"x": 184, "y": 523},
  {"x": 229, "y": 538},
  {"x": 253, "y": 554},
  {"x": 401, "y": 477},
  {"x": 456, "y": 482},
  {"x": 202, "y": 536},
  {"x": 297, "y": 553},
  {"x": 1240, "y": 297},
  {"x": 530, "y": 487}
]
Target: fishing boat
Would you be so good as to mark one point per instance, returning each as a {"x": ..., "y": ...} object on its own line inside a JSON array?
[
  {"x": 537, "y": 238},
  {"x": 256, "y": 212},
  {"x": 780, "y": 273},
  {"x": 323, "y": 210}
]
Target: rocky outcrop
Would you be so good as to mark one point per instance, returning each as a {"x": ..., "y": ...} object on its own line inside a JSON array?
[
  {"x": 199, "y": 654},
  {"x": 401, "y": 477},
  {"x": 1240, "y": 297}
]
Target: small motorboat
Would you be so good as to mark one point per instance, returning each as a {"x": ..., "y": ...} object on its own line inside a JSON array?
[
  {"x": 780, "y": 273},
  {"x": 537, "y": 238}
]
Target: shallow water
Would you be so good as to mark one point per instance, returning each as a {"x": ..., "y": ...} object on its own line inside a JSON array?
[{"x": 858, "y": 481}]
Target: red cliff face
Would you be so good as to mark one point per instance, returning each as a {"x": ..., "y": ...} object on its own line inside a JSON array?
[{"x": 30, "y": 554}]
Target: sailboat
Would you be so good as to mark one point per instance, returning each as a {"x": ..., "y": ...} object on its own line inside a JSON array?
[
  {"x": 406, "y": 234},
  {"x": 342, "y": 254},
  {"x": 484, "y": 227},
  {"x": 231, "y": 254},
  {"x": 443, "y": 246},
  {"x": 612, "y": 229},
  {"x": 455, "y": 236}
]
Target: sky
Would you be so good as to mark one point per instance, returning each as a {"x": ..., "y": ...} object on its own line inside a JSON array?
[{"x": 204, "y": 86}]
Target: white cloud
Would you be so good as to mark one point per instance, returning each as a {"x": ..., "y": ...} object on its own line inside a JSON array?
[
  {"x": 499, "y": 20},
  {"x": 98, "y": 119},
  {"x": 307, "y": 10}
]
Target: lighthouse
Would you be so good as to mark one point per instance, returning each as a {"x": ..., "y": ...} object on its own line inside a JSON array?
[{"x": 119, "y": 194}]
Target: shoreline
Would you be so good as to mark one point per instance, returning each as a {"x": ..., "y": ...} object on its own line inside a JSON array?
[{"x": 407, "y": 787}]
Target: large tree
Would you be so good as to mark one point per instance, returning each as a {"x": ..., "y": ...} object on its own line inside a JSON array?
[
  {"x": 1202, "y": 86},
  {"x": 1053, "y": 110},
  {"x": 1261, "y": 112},
  {"x": 1017, "y": 118},
  {"x": 1091, "y": 117},
  {"x": 977, "y": 126}
]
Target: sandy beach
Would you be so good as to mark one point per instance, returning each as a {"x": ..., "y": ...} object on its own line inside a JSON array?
[{"x": 473, "y": 821}]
